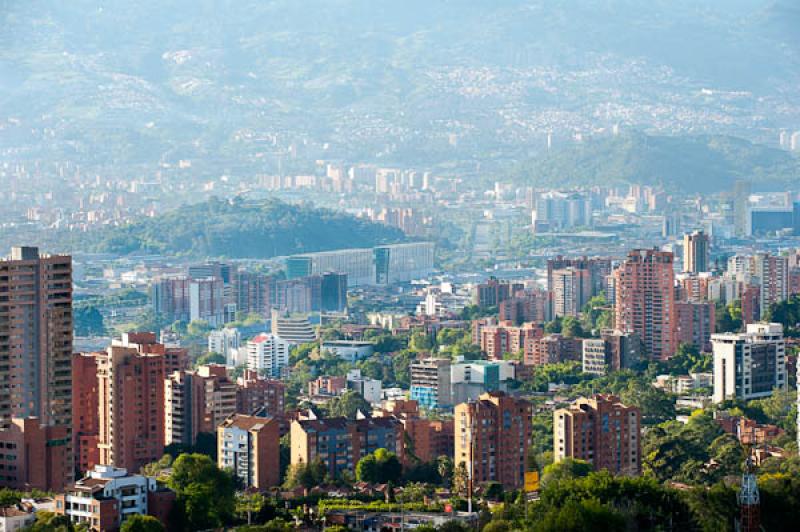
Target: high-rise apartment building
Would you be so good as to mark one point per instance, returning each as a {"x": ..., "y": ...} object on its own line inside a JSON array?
[
  {"x": 695, "y": 323},
  {"x": 86, "y": 403},
  {"x": 571, "y": 289},
  {"x": 131, "y": 415},
  {"x": 494, "y": 291},
  {"x": 492, "y": 437},
  {"x": 430, "y": 382},
  {"x": 645, "y": 300},
  {"x": 613, "y": 351},
  {"x": 771, "y": 273},
  {"x": 227, "y": 343},
  {"x": 248, "y": 446},
  {"x": 36, "y": 348},
  {"x": 696, "y": 252},
  {"x": 749, "y": 365},
  {"x": 525, "y": 306},
  {"x": 741, "y": 208},
  {"x": 196, "y": 401},
  {"x": 189, "y": 299},
  {"x": 267, "y": 354},
  {"x": 602, "y": 431},
  {"x": 599, "y": 269}
]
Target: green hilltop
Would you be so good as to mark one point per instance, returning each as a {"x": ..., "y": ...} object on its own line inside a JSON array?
[
  {"x": 688, "y": 163},
  {"x": 240, "y": 229}
]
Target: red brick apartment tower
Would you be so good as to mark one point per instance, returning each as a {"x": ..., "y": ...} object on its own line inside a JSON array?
[
  {"x": 85, "y": 406},
  {"x": 602, "y": 431},
  {"x": 492, "y": 436},
  {"x": 35, "y": 368},
  {"x": 131, "y": 390},
  {"x": 645, "y": 300}
]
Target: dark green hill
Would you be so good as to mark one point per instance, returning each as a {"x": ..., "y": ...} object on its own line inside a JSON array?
[
  {"x": 696, "y": 164},
  {"x": 239, "y": 229}
]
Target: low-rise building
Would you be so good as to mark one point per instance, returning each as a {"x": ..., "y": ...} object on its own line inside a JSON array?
[
  {"x": 350, "y": 350},
  {"x": 107, "y": 496}
]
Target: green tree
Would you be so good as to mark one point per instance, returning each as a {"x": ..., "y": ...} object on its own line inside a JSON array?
[
  {"x": 306, "y": 475},
  {"x": 587, "y": 515},
  {"x": 571, "y": 327},
  {"x": 210, "y": 358},
  {"x": 728, "y": 317},
  {"x": 567, "y": 468},
  {"x": 248, "y": 504},
  {"x": 9, "y": 497},
  {"x": 444, "y": 466},
  {"x": 381, "y": 466},
  {"x": 348, "y": 405},
  {"x": 141, "y": 523},
  {"x": 420, "y": 342},
  {"x": 204, "y": 492},
  {"x": 51, "y": 522}
]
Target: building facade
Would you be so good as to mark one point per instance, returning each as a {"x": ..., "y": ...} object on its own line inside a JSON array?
[
  {"x": 248, "y": 445},
  {"x": 492, "y": 437},
  {"x": 601, "y": 431},
  {"x": 645, "y": 300},
  {"x": 749, "y": 365}
]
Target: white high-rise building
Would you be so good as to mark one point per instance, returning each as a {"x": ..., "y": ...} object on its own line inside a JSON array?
[
  {"x": 267, "y": 354},
  {"x": 749, "y": 365},
  {"x": 225, "y": 342}
]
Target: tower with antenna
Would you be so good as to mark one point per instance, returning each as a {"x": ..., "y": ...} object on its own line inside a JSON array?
[{"x": 749, "y": 501}]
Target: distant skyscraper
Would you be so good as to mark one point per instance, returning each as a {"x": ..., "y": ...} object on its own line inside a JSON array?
[
  {"x": 696, "y": 252},
  {"x": 571, "y": 290},
  {"x": 645, "y": 300},
  {"x": 741, "y": 208}
]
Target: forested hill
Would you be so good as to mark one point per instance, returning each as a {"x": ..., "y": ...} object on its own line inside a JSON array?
[
  {"x": 704, "y": 163},
  {"x": 241, "y": 229}
]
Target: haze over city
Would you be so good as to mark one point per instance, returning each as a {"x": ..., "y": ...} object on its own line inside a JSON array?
[{"x": 366, "y": 265}]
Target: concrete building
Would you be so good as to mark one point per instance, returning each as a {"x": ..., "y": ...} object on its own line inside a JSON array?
[
  {"x": 131, "y": 407},
  {"x": 225, "y": 342},
  {"x": 571, "y": 289},
  {"x": 196, "y": 401},
  {"x": 430, "y": 382},
  {"x": 493, "y": 292},
  {"x": 497, "y": 339},
  {"x": 696, "y": 252},
  {"x": 598, "y": 268},
  {"x": 292, "y": 329},
  {"x": 370, "y": 389},
  {"x": 256, "y": 393},
  {"x": 613, "y": 351},
  {"x": 602, "y": 431},
  {"x": 382, "y": 265},
  {"x": 108, "y": 496},
  {"x": 645, "y": 300},
  {"x": 350, "y": 350},
  {"x": 341, "y": 443},
  {"x": 183, "y": 298},
  {"x": 248, "y": 445},
  {"x": 492, "y": 437},
  {"x": 771, "y": 273},
  {"x": 749, "y": 365},
  {"x": 267, "y": 354},
  {"x": 36, "y": 333},
  {"x": 470, "y": 380}
]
